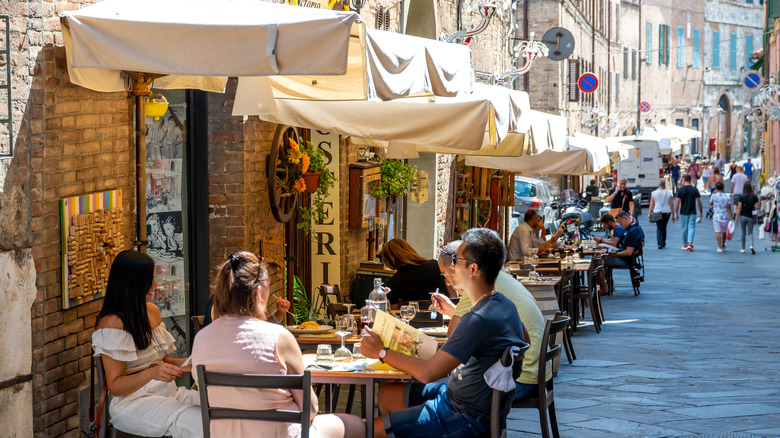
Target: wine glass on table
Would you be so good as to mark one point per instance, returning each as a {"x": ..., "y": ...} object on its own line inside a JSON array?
[
  {"x": 533, "y": 275},
  {"x": 366, "y": 316},
  {"x": 345, "y": 325},
  {"x": 407, "y": 313}
]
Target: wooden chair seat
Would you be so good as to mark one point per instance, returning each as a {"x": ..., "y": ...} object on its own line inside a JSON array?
[{"x": 106, "y": 429}]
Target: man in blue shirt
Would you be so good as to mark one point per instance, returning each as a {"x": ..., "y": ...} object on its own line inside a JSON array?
[
  {"x": 632, "y": 241},
  {"x": 674, "y": 169},
  {"x": 461, "y": 405},
  {"x": 749, "y": 170},
  {"x": 609, "y": 224}
]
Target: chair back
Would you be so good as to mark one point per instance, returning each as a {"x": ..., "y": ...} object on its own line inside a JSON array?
[
  {"x": 197, "y": 323},
  {"x": 104, "y": 416},
  {"x": 333, "y": 309},
  {"x": 274, "y": 381},
  {"x": 550, "y": 352},
  {"x": 501, "y": 402}
]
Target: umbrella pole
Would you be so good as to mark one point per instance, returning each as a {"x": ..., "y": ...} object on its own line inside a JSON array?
[{"x": 140, "y": 171}]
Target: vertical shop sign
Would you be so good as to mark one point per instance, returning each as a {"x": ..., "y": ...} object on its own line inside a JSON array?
[{"x": 326, "y": 250}]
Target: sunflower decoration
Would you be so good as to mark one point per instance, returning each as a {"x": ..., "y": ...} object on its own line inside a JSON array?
[
  {"x": 294, "y": 155},
  {"x": 299, "y": 185},
  {"x": 305, "y": 161}
]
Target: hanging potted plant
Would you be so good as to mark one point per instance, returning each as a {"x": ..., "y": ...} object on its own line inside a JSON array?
[
  {"x": 396, "y": 177},
  {"x": 318, "y": 180}
]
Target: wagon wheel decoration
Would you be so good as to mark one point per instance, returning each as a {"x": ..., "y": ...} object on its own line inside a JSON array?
[{"x": 282, "y": 174}]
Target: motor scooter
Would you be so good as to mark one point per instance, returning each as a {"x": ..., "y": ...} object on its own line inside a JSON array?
[{"x": 572, "y": 213}]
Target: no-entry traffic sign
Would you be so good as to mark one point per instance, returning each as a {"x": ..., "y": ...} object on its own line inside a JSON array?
[
  {"x": 588, "y": 82},
  {"x": 752, "y": 80},
  {"x": 644, "y": 107}
]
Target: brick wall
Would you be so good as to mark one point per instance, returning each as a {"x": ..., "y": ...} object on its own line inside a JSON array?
[{"x": 80, "y": 142}]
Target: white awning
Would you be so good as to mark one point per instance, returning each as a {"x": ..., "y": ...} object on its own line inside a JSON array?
[
  {"x": 596, "y": 148},
  {"x": 198, "y": 43},
  {"x": 548, "y": 132},
  {"x": 549, "y": 162}
]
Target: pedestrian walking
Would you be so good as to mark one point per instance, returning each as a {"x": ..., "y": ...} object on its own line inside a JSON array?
[
  {"x": 674, "y": 169},
  {"x": 717, "y": 176},
  {"x": 717, "y": 163},
  {"x": 737, "y": 185},
  {"x": 695, "y": 171},
  {"x": 749, "y": 169},
  {"x": 721, "y": 214},
  {"x": 733, "y": 169},
  {"x": 705, "y": 176},
  {"x": 685, "y": 203},
  {"x": 748, "y": 202},
  {"x": 661, "y": 211}
]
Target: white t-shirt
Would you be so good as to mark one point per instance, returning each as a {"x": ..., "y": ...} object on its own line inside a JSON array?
[
  {"x": 738, "y": 183},
  {"x": 661, "y": 200}
]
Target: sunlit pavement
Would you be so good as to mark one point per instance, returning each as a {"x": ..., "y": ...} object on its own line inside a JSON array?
[{"x": 696, "y": 354}]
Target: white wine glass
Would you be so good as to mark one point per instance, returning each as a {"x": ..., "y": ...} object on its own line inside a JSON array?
[
  {"x": 407, "y": 313},
  {"x": 345, "y": 325},
  {"x": 533, "y": 275}
]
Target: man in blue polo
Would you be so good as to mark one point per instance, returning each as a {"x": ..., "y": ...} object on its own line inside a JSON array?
[
  {"x": 632, "y": 241},
  {"x": 749, "y": 170}
]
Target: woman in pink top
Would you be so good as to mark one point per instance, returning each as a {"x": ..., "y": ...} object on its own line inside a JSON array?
[{"x": 240, "y": 341}]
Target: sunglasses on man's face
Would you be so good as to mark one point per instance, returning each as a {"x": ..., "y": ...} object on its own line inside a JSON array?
[{"x": 456, "y": 258}]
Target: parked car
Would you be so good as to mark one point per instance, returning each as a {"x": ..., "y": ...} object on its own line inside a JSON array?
[{"x": 532, "y": 193}]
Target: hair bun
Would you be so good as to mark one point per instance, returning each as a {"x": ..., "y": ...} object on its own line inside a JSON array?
[{"x": 233, "y": 261}]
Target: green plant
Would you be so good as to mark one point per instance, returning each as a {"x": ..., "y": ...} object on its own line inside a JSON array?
[
  {"x": 301, "y": 303},
  {"x": 396, "y": 177},
  {"x": 316, "y": 211}
]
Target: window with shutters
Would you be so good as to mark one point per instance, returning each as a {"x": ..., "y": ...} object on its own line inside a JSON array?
[
  {"x": 617, "y": 90},
  {"x": 680, "y": 47},
  {"x": 667, "y": 43},
  {"x": 625, "y": 62},
  {"x": 733, "y": 52},
  {"x": 382, "y": 18},
  {"x": 574, "y": 74},
  {"x": 715, "y": 49},
  {"x": 661, "y": 34},
  {"x": 633, "y": 64},
  {"x": 649, "y": 43},
  {"x": 748, "y": 50},
  {"x": 695, "y": 61},
  {"x": 773, "y": 8}
]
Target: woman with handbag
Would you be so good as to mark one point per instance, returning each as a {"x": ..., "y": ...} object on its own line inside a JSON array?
[
  {"x": 747, "y": 207},
  {"x": 660, "y": 211},
  {"x": 133, "y": 342}
]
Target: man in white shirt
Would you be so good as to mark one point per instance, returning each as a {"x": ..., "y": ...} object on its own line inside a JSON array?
[
  {"x": 718, "y": 162},
  {"x": 737, "y": 185},
  {"x": 524, "y": 241}
]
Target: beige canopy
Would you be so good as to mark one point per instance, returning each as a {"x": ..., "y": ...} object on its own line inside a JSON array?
[
  {"x": 549, "y": 162},
  {"x": 198, "y": 43}
]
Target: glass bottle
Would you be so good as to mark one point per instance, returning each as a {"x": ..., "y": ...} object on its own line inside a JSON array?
[{"x": 378, "y": 296}]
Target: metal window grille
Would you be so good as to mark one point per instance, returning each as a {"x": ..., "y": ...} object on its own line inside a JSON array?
[{"x": 6, "y": 112}]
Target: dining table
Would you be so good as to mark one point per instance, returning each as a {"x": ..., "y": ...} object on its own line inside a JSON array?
[{"x": 359, "y": 371}]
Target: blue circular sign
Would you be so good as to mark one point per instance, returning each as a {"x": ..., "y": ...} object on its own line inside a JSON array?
[
  {"x": 588, "y": 82},
  {"x": 752, "y": 80}
]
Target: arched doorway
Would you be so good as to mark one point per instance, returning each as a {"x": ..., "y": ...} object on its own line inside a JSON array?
[{"x": 723, "y": 127}]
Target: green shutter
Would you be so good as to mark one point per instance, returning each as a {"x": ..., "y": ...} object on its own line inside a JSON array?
[
  {"x": 773, "y": 8},
  {"x": 668, "y": 38},
  {"x": 661, "y": 34},
  {"x": 649, "y": 44}
]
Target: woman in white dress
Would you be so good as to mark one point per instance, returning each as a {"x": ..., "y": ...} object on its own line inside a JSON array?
[
  {"x": 240, "y": 341},
  {"x": 133, "y": 342}
]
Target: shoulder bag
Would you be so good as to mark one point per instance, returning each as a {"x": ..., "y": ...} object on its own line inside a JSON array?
[
  {"x": 614, "y": 211},
  {"x": 657, "y": 216}
]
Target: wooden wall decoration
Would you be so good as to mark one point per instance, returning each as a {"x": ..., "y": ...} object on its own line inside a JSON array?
[
  {"x": 92, "y": 230},
  {"x": 272, "y": 250}
]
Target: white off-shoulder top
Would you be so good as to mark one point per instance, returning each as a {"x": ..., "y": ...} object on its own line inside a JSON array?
[{"x": 118, "y": 344}]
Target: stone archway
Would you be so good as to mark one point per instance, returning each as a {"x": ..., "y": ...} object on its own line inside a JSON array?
[{"x": 723, "y": 127}]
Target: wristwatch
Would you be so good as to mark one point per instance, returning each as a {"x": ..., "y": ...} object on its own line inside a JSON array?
[{"x": 382, "y": 354}]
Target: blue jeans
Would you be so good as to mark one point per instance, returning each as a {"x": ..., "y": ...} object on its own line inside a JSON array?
[
  {"x": 435, "y": 416},
  {"x": 524, "y": 390},
  {"x": 688, "y": 222}
]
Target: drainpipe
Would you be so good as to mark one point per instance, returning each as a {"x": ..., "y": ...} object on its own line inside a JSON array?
[
  {"x": 526, "y": 79},
  {"x": 609, "y": 62},
  {"x": 639, "y": 73}
]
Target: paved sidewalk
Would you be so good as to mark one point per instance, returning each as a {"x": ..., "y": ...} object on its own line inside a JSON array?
[{"x": 696, "y": 354}]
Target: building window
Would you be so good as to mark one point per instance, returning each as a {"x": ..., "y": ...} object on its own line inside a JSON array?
[
  {"x": 733, "y": 52},
  {"x": 633, "y": 64},
  {"x": 617, "y": 90},
  {"x": 649, "y": 43},
  {"x": 748, "y": 50},
  {"x": 574, "y": 74},
  {"x": 663, "y": 44},
  {"x": 695, "y": 48},
  {"x": 694, "y": 125},
  {"x": 625, "y": 62},
  {"x": 715, "y": 49},
  {"x": 680, "y": 47}
]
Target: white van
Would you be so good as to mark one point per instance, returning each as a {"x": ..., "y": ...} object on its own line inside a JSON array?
[{"x": 642, "y": 172}]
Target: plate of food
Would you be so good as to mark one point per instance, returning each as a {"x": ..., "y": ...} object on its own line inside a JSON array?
[
  {"x": 309, "y": 328},
  {"x": 435, "y": 331}
]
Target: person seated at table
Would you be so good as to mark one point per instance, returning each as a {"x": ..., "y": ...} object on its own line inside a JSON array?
[
  {"x": 241, "y": 341},
  {"x": 615, "y": 230},
  {"x": 415, "y": 277},
  {"x": 632, "y": 241},
  {"x": 277, "y": 317},
  {"x": 530, "y": 315},
  {"x": 461, "y": 406},
  {"x": 524, "y": 241},
  {"x": 133, "y": 343}
]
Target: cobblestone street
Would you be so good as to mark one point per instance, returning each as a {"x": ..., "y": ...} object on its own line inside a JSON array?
[{"x": 695, "y": 354}]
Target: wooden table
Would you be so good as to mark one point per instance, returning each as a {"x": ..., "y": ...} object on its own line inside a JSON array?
[
  {"x": 310, "y": 342},
  {"x": 366, "y": 378}
]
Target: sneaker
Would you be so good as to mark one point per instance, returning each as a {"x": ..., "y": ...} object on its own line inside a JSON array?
[
  {"x": 690, "y": 247},
  {"x": 684, "y": 247},
  {"x": 741, "y": 251},
  {"x": 752, "y": 251},
  {"x": 720, "y": 250}
]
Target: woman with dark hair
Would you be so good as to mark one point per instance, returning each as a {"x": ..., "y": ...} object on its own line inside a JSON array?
[
  {"x": 415, "y": 277},
  {"x": 240, "y": 341},
  {"x": 133, "y": 343},
  {"x": 748, "y": 201}
]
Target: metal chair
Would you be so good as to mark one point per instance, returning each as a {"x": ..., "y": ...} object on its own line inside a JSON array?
[
  {"x": 106, "y": 429},
  {"x": 636, "y": 270},
  {"x": 544, "y": 401},
  {"x": 274, "y": 381},
  {"x": 502, "y": 401}
]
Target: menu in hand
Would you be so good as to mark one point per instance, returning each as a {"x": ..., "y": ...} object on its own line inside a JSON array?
[{"x": 403, "y": 338}]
